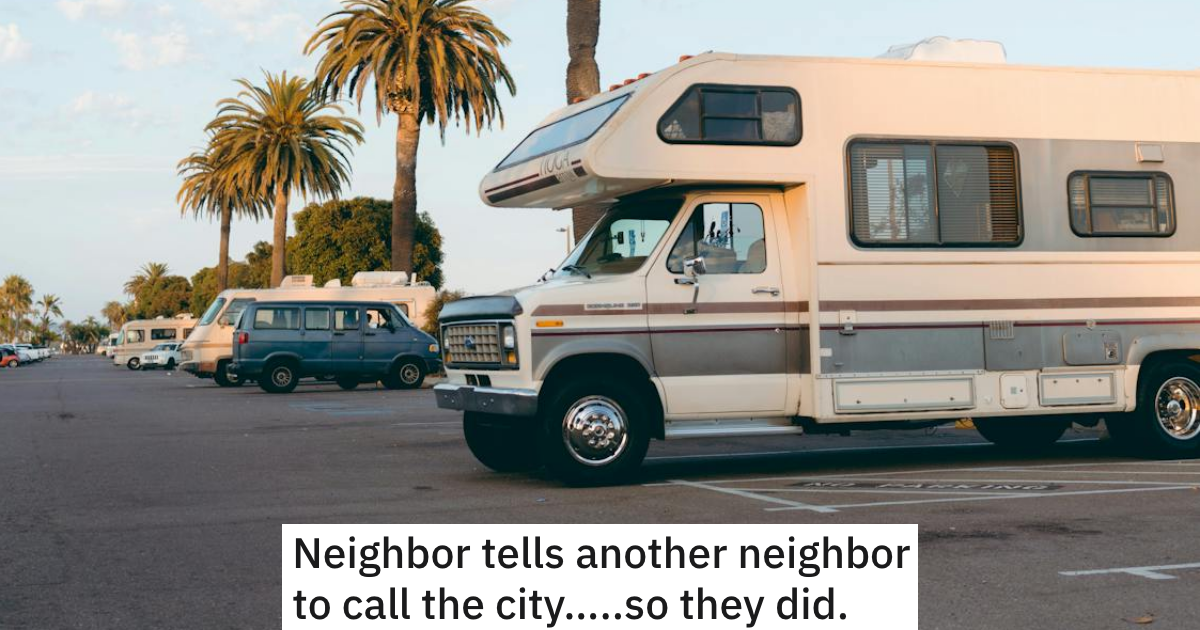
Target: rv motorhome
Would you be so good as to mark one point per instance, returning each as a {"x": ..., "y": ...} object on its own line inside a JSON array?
[
  {"x": 208, "y": 352},
  {"x": 801, "y": 245},
  {"x": 141, "y": 335}
]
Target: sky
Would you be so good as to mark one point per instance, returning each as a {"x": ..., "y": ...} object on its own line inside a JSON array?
[{"x": 99, "y": 99}]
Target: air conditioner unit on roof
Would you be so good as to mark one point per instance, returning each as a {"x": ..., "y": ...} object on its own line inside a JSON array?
[
  {"x": 379, "y": 279},
  {"x": 946, "y": 49},
  {"x": 333, "y": 284},
  {"x": 296, "y": 281}
]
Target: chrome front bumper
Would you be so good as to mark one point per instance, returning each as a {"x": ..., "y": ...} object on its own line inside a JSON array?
[{"x": 502, "y": 401}]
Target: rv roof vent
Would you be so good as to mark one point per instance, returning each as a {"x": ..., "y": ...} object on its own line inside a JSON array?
[
  {"x": 946, "y": 49},
  {"x": 183, "y": 316},
  {"x": 296, "y": 281},
  {"x": 379, "y": 279},
  {"x": 333, "y": 284}
]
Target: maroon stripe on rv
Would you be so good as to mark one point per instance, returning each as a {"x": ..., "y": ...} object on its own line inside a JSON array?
[
  {"x": 663, "y": 331},
  {"x": 512, "y": 183},
  {"x": 1045, "y": 324},
  {"x": 674, "y": 308},
  {"x": 1000, "y": 303},
  {"x": 523, "y": 189}
]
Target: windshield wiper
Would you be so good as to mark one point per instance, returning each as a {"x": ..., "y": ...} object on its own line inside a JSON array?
[{"x": 576, "y": 269}]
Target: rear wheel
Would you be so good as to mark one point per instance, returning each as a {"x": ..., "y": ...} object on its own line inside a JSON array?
[
  {"x": 502, "y": 443},
  {"x": 224, "y": 378},
  {"x": 1022, "y": 434},
  {"x": 347, "y": 382},
  {"x": 14, "y": 363},
  {"x": 134, "y": 363},
  {"x": 404, "y": 374},
  {"x": 170, "y": 364},
  {"x": 1166, "y": 422},
  {"x": 594, "y": 432},
  {"x": 279, "y": 377}
]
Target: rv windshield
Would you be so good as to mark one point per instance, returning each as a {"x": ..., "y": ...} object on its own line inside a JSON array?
[
  {"x": 211, "y": 314},
  {"x": 622, "y": 240},
  {"x": 234, "y": 312},
  {"x": 571, "y": 130}
]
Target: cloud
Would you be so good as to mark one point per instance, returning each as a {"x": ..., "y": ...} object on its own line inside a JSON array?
[
  {"x": 264, "y": 29},
  {"x": 79, "y": 9},
  {"x": 112, "y": 109},
  {"x": 139, "y": 52},
  {"x": 13, "y": 47}
]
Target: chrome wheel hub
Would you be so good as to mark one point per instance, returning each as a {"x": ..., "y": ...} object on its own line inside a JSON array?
[
  {"x": 595, "y": 430},
  {"x": 281, "y": 377},
  {"x": 409, "y": 374},
  {"x": 1177, "y": 408}
]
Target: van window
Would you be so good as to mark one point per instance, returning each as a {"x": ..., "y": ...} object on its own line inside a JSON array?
[
  {"x": 559, "y": 135},
  {"x": 381, "y": 317},
  {"x": 277, "y": 319},
  {"x": 1122, "y": 204},
  {"x": 157, "y": 334},
  {"x": 727, "y": 114},
  {"x": 729, "y": 236},
  {"x": 926, "y": 194},
  {"x": 134, "y": 336},
  {"x": 316, "y": 319},
  {"x": 211, "y": 314},
  {"x": 345, "y": 319}
]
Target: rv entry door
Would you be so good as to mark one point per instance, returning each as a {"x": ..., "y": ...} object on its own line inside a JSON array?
[{"x": 716, "y": 309}]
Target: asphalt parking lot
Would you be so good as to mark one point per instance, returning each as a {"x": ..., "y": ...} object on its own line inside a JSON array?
[{"x": 139, "y": 500}]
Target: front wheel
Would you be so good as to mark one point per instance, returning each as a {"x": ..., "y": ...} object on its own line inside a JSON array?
[
  {"x": 502, "y": 443},
  {"x": 280, "y": 377},
  {"x": 1022, "y": 434},
  {"x": 224, "y": 378},
  {"x": 347, "y": 383},
  {"x": 595, "y": 432},
  {"x": 405, "y": 374},
  {"x": 1166, "y": 422},
  {"x": 171, "y": 364},
  {"x": 134, "y": 364}
]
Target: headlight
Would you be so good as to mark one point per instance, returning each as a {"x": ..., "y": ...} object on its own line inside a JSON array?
[{"x": 509, "y": 336}]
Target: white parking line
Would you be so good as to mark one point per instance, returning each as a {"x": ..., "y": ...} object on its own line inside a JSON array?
[
  {"x": 791, "y": 505},
  {"x": 1150, "y": 573},
  {"x": 846, "y": 506},
  {"x": 1060, "y": 482},
  {"x": 844, "y": 449}
]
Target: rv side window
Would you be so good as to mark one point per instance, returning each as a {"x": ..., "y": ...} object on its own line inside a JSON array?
[
  {"x": 726, "y": 114},
  {"x": 925, "y": 194},
  {"x": 134, "y": 336},
  {"x": 1122, "y": 204},
  {"x": 157, "y": 334},
  {"x": 277, "y": 319},
  {"x": 729, "y": 236}
]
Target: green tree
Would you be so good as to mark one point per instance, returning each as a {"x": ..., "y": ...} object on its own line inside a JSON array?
[
  {"x": 209, "y": 190},
  {"x": 149, "y": 274},
  {"x": 82, "y": 338},
  {"x": 258, "y": 266},
  {"x": 338, "y": 238},
  {"x": 435, "y": 308},
  {"x": 283, "y": 138},
  {"x": 50, "y": 306},
  {"x": 167, "y": 297},
  {"x": 116, "y": 313},
  {"x": 204, "y": 283},
  {"x": 16, "y": 302},
  {"x": 430, "y": 60}
]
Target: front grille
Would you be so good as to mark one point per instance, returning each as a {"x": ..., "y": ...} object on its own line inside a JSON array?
[{"x": 472, "y": 343}]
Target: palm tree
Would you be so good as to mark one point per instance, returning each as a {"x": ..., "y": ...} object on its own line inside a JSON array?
[
  {"x": 147, "y": 276},
  {"x": 16, "y": 300},
  {"x": 431, "y": 60},
  {"x": 583, "y": 81},
  {"x": 51, "y": 305},
  {"x": 208, "y": 190},
  {"x": 278, "y": 139},
  {"x": 115, "y": 313}
]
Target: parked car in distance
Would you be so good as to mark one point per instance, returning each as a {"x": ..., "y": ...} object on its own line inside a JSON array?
[
  {"x": 164, "y": 355},
  {"x": 33, "y": 352},
  {"x": 278, "y": 343},
  {"x": 9, "y": 358},
  {"x": 23, "y": 351}
]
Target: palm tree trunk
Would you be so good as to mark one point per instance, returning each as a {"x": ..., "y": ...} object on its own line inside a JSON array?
[
  {"x": 279, "y": 247},
  {"x": 223, "y": 262},
  {"x": 583, "y": 81},
  {"x": 404, "y": 192}
]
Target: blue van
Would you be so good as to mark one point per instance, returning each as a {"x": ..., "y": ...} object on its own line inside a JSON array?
[{"x": 278, "y": 343}]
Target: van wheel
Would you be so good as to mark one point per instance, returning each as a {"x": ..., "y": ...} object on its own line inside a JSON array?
[
  {"x": 170, "y": 364},
  {"x": 1022, "y": 434},
  {"x": 224, "y": 378},
  {"x": 502, "y": 443},
  {"x": 347, "y": 383},
  {"x": 134, "y": 363},
  {"x": 1166, "y": 422},
  {"x": 279, "y": 377},
  {"x": 405, "y": 374},
  {"x": 594, "y": 432}
]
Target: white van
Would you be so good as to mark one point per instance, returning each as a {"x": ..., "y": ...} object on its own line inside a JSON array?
[
  {"x": 800, "y": 245},
  {"x": 141, "y": 335},
  {"x": 209, "y": 349}
]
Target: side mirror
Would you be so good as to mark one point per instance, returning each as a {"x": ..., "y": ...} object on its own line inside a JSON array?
[{"x": 695, "y": 267}]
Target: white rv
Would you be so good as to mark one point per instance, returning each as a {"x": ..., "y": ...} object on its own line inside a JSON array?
[
  {"x": 141, "y": 335},
  {"x": 208, "y": 351},
  {"x": 805, "y": 245}
]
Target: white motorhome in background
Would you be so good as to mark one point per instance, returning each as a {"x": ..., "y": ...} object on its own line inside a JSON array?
[
  {"x": 208, "y": 350},
  {"x": 805, "y": 245},
  {"x": 141, "y": 335}
]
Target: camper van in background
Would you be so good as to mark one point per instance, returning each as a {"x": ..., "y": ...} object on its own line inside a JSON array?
[
  {"x": 141, "y": 335},
  {"x": 207, "y": 353},
  {"x": 808, "y": 245}
]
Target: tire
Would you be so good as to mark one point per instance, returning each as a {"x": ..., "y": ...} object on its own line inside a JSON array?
[
  {"x": 171, "y": 365},
  {"x": 1166, "y": 422},
  {"x": 347, "y": 383},
  {"x": 502, "y": 443},
  {"x": 134, "y": 363},
  {"x": 404, "y": 374},
  {"x": 279, "y": 377},
  {"x": 569, "y": 419},
  {"x": 224, "y": 378},
  {"x": 13, "y": 364},
  {"x": 1023, "y": 434}
]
